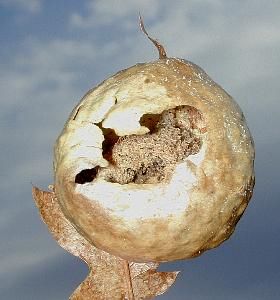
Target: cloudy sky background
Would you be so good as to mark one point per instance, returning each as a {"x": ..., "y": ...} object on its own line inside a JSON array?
[{"x": 52, "y": 52}]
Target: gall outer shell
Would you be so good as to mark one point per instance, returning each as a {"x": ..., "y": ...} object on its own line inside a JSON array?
[{"x": 198, "y": 208}]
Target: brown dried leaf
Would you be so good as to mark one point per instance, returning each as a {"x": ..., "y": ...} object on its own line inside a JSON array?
[
  {"x": 150, "y": 282},
  {"x": 109, "y": 277}
]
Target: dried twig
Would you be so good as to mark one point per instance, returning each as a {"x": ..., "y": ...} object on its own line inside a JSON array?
[{"x": 160, "y": 48}]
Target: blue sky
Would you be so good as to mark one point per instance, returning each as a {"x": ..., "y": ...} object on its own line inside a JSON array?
[{"x": 52, "y": 52}]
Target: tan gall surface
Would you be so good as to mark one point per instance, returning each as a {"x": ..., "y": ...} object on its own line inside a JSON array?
[{"x": 155, "y": 163}]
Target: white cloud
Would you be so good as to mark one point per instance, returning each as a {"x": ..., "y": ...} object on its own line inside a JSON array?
[
  {"x": 32, "y": 6},
  {"x": 51, "y": 66},
  {"x": 198, "y": 29},
  {"x": 39, "y": 88},
  {"x": 108, "y": 12},
  {"x": 42, "y": 78},
  {"x": 236, "y": 42}
]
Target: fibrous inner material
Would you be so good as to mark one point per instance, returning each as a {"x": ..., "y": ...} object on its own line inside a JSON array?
[{"x": 152, "y": 157}]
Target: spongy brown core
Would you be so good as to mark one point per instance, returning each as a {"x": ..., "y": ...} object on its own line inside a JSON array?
[{"x": 152, "y": 157}]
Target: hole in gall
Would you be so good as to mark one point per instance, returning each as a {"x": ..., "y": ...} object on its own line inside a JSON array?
[{"x": 86, "y": 175}]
